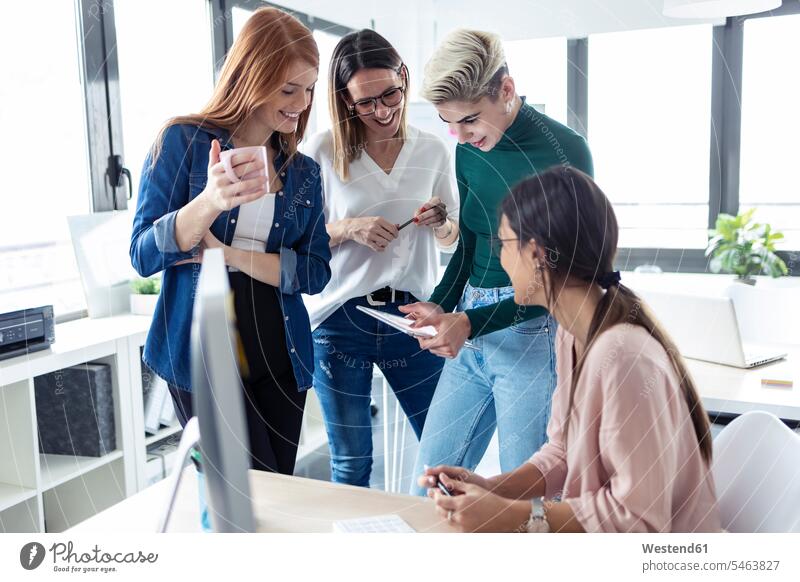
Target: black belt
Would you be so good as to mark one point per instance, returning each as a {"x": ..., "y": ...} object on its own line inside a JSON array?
[{"x": 389, "y": 295}]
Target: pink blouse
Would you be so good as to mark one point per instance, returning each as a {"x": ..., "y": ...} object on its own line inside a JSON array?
[{"x": 632, "y": 462}]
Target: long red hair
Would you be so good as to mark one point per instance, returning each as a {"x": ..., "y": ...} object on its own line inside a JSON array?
[{"x": 254, "y": 71}]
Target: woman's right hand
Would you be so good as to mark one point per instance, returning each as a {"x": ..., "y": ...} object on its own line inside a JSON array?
[
  {"x": 420, "y": 312},
  {"x": 223, "y": 194},
  {"x": 431, "y": 476},
  {"x": 374, "y": 232}
]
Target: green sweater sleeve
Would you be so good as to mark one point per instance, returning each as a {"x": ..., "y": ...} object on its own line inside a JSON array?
[{"x": 449, "y": 290}]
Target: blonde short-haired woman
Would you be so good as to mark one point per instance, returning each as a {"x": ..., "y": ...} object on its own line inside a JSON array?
[{"x": 507, "y": 383}]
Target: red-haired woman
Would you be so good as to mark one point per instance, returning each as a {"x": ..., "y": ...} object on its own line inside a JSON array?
[{"x": 276, "y": 247}]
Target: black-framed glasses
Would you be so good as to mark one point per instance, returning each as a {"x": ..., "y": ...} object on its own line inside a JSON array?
[
  {"x": 497, "y": 244},
  {"x": 392, "y": 97}
]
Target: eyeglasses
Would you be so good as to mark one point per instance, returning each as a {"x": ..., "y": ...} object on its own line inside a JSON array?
[
  {"x": 390, "y": 98},
  {"x": 497, "y": 244}
]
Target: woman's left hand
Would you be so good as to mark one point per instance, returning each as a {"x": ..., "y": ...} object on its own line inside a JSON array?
[
  {"x": 474, "y": 509},
  {"x": 452, "y": 330},
  {"x": 432, "y": 214},
  {"x": 209, "y": 241}
]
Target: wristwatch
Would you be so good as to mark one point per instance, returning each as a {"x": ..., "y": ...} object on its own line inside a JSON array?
[{"x": 537, "y": 522}]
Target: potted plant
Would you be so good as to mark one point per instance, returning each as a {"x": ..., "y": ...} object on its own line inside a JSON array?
[
  {"x": 744, "y": 248},
  {"x": 144, "y": 295}
]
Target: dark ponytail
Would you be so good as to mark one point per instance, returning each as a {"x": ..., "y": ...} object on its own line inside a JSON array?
[{"x": 572, "y": 221}]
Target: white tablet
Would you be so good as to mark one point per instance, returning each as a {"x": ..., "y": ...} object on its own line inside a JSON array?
[{"x": 399, "y": 323}]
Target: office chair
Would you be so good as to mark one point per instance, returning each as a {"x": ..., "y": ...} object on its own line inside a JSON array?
[{"x": 757, "y": 474}]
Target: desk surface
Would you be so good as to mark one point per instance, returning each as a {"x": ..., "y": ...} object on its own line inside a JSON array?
[
  {"x": 282, "y": 504},
  {"x": 735, "y": 391}
]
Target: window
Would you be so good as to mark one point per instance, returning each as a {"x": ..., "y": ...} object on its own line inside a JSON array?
[
  {"x": 770, "y": 124},
  {"x": 170, "y": 75},
  {"x": 239, "y": 16},
  {"x": 539, "y": 70},
  {"x": 320, "y": 111},
  {"x": 649, "y": 119},
  {"x": 43, "y": 116}
]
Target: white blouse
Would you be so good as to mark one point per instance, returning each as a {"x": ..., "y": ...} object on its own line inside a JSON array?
[
  {"x": 409, "y": 263},
  {"x": 254, "y": 224}
]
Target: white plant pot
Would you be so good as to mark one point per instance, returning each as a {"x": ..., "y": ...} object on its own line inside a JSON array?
[{"x": 143, "y": 304}]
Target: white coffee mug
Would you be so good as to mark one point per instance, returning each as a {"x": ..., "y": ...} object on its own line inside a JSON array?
[{"x": 261, "y": 151}]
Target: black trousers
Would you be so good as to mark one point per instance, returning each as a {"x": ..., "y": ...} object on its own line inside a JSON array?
[{"x": 273, "y": 406}]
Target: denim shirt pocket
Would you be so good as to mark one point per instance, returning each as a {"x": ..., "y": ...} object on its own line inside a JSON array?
[{"x": 296, "y": 215}]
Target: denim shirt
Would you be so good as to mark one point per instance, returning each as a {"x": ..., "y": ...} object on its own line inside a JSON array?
[{"x": 298, "y": 235}]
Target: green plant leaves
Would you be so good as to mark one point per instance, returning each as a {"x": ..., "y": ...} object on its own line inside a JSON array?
[
  {"x": 744, "y": 248},
  {"x": 150, "y": 286}
]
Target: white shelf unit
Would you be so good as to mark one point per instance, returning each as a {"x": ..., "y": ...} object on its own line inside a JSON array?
[
  {"x": 162, "y": 434},
  {"x": 46, "y": 492},
  {"x": 51, "y": 493},
  {"x": 58, "y": 469}
]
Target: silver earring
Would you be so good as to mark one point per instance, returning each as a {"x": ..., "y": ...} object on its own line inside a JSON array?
[{"x": 508, "y": 107}]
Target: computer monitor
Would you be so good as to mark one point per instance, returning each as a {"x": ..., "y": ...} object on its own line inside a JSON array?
[
  {"x": 218, "y": 399},
  {"x": 219, "y": 424}
]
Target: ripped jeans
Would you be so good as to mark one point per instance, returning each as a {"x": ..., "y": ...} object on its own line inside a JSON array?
[{"x": 346, "y": 346}]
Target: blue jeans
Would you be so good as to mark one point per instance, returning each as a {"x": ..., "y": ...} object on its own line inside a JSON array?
[
  {"x": 507, "y": 383},
  {"x": 346, "y": 346}
]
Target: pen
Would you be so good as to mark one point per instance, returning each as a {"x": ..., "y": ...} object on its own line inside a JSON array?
[
  {"x": 407, "y": 222},
  {"x": 442, "y": 487}
]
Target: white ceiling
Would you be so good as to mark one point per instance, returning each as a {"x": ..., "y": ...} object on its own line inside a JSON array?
[
  {"x": 523, "y": 19},
  {"x": 513, "y": 19}
]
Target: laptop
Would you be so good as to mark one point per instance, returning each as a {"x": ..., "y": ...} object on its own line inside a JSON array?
[{"x": 706, "y": 328}]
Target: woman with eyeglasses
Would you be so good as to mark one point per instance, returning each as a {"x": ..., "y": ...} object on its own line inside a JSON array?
[
  {"x": 629, "y": 446},
  {"x": 388, "y": 192},
  {"x": 507, "y": 382}
]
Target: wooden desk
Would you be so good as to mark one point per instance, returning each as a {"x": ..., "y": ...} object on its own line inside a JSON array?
[
  {"x": 282, "y": 505},
  {"x": 729, "y": 390}
]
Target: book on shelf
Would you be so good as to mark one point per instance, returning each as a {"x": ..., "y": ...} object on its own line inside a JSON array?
[{"x": 155, "y": 395}]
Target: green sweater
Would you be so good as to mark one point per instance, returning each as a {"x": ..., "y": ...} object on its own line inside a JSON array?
[{"x": 532, "y": 144}]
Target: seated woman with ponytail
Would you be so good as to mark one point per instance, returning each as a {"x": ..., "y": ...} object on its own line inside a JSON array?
[{"x": 629, "y": 447}]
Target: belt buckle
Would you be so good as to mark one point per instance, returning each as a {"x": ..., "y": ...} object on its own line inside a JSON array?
[
  {"x": 376, "y": 303},
  {"x": 373, "y": 302}
]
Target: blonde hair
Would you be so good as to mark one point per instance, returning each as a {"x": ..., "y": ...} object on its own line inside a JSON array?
[
  {"x": 254, "y": 71},
  {"x": 363, "y": 49},
  {"x": 467, "y": 66}
]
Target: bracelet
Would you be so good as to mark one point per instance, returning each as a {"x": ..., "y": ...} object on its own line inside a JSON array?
[
  {"x": 449, "y": 231},
  {"x": 537, "y": 522}
]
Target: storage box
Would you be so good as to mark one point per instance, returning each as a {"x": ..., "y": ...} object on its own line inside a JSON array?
[{"x": 75, "y": 411}]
